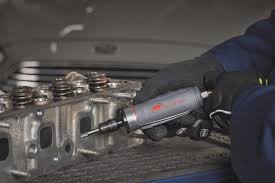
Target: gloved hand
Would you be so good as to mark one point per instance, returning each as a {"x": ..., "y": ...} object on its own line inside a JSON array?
[
  {"x": 176, "y": 76},
  {"x": 228, "y": 86}
]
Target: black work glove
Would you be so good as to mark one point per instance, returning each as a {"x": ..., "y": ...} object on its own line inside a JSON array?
[
  {"x": 176, "y": 76},
  {"x": 228, "y": 86}
]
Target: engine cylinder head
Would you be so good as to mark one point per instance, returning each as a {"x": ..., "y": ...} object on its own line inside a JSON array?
[
  {"x": 21, "y": 96},
  {"x": 61, "y": 89},
  {"x": 97, "y": 81}
]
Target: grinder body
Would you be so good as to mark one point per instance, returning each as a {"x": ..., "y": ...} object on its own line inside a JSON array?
[
  {"x": 162, "y": 109},
  {"x": 156, "y": 111}
]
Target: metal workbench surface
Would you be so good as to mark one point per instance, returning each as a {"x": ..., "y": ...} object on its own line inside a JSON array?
[{"x": 149, "y": 161}]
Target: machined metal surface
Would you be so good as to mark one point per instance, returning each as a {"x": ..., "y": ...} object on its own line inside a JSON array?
[{"x": 41, "y": 130}]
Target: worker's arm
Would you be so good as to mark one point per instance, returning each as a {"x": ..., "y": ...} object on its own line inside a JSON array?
[
  {"x": 253, "y": 112},
  {"x": 253, "y": 135},
  {"x": 252, "y": 123},
  {"x": 254, "y": 50}
]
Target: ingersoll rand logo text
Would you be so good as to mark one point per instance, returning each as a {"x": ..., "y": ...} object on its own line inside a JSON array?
[{"x": 167, "y": 105}]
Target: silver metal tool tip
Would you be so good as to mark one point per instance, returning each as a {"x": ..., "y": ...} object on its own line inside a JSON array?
[{"x": 89, "y": 133}]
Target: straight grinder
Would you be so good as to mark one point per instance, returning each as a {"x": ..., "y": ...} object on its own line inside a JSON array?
[{"x": 154, "y": 112}]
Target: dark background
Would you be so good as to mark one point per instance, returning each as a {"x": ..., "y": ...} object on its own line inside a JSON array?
[{"x": 157, "y": 31}]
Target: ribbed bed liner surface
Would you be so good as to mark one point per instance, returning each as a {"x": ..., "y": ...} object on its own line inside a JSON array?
[{"x": 148, "y": 161}]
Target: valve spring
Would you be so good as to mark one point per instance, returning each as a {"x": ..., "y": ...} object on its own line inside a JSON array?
[
  {"x": 21, "y": 96},
  {"x": 61, "y": 89},
  {"x": 97, "y": 81},
  {"x": 41, "y": 95},
  {"x": 79, "y": 86}
]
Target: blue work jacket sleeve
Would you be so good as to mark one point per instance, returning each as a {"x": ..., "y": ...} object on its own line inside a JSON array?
[
  {"x": 253, "y": 135},
  {"x": 253, "y": 115},
  {"x": 252, "y": 51}
]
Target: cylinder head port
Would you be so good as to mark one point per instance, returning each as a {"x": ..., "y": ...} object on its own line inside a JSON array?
[
  {"x": 4, "y": 149},
  {"x": 68, "y": 148},
  {"x": 46, "y": 137},
  {"x": 85, "y": 124}
]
